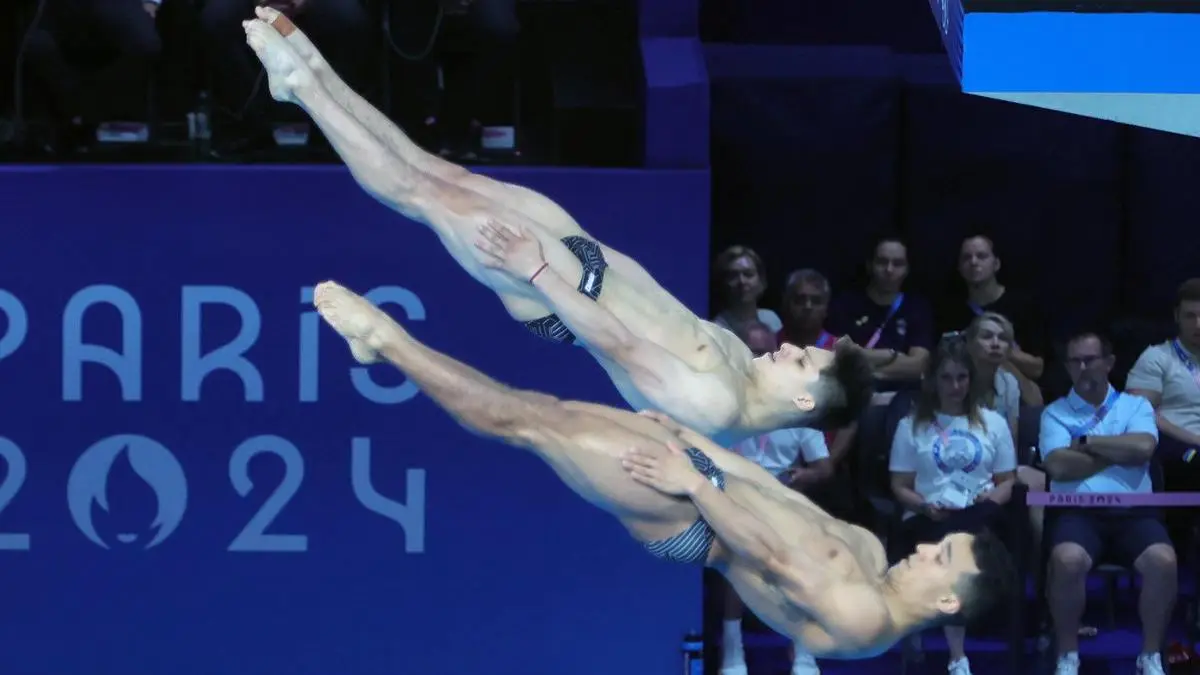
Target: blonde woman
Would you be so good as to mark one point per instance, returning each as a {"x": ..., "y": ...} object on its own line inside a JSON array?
[
  {"x": 742, "y": 279},
  {"x": 989, "y": 341}
]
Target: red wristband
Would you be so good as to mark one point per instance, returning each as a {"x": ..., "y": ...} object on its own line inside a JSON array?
[{"x": 539, "y": 271}]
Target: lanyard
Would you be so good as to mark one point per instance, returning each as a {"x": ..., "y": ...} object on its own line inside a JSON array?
[
  {"x": 1188, "y": 361},
  {"x": 942, "y": 432},
  {"x": 890, "y": 313},
  {"x": 1098, "y": 416}
]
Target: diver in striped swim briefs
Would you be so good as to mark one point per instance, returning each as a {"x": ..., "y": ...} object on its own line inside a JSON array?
[{"x": 822, "y": 582}]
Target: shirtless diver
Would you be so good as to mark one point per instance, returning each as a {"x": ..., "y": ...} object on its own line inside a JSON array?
[
  {"x": 558, "y": 280},
  {"x": 811, "y": 577}
]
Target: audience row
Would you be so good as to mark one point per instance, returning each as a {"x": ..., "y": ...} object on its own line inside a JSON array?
[{"x": 962, "y": 385}]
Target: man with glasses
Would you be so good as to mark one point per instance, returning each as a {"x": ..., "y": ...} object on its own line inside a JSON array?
[{"x": 1099, "y": 440}]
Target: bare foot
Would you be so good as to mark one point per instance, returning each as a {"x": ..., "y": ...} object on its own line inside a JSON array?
[
  {"x": 294, "y": 36},
  {"x": 362, "y": 324},
  {"x": 286, "y": 70}
]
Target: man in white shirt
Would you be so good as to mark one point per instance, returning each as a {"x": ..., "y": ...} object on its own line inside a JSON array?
[
  {"x": 1168, "y": 375},
  {"x": 1099, "y": 440}
]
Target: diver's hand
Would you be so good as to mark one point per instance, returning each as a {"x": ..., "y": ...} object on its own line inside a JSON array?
[
  {"x": 511, "y": 249},
  {"x": 670, "y": 472}
]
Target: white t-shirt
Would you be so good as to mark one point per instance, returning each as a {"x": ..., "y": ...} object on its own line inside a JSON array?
[
  {"x": 777, "y": 451},
  {"x": 1159, "y": 369},
  {"x": 951, "y": 449}
]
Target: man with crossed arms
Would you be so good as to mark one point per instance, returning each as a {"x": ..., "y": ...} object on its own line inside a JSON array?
[{"x": 1099, "y": 440}]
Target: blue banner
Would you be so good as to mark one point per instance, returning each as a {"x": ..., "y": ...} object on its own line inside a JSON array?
[{"x": 198, "y": 480}]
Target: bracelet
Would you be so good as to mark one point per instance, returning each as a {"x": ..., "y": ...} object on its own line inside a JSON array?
[{"x": 539, "y": 271}]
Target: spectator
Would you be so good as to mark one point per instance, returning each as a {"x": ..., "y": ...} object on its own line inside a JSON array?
[
  {"x": 1168, "y": 375},
  {"x": 952, "y": 463},
  {"x": 983, "y": 292},
  {"x": 122, "y": 34},
  {"x": 895, "y": 328},
  {"x": 742, "y": 279},
  {"x": 1099, "y": 440},
  {"x": 989, "y": 339},
  {"x": 340, "y": 29},
  {"x": 799, "y": 458},
  {"x": 805, "y": 306}
]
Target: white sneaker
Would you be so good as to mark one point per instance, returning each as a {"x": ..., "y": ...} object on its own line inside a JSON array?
[
  {"x": 1150, "y": 664},
  {"x": 960, "y": 667},
  {"x": 805, "y": 664},
  {"x": 1068, "y": 664}
]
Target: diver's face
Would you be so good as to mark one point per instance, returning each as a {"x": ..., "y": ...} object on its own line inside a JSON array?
[
  {"x": 790, "y": 372},
  {"x": 930, "y": 575}
]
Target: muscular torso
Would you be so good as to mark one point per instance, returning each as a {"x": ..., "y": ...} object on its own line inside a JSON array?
[
  {"x": 719, "y": 359},
  {"x": 851, "y": 554}
]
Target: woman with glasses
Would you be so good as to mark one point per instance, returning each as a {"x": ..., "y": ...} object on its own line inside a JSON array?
[{"x": 952, "y": 462}]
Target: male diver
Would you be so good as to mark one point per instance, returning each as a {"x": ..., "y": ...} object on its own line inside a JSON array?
[
  {"x": 811, "y": 577},
  {"x": 558, "y": 280}
]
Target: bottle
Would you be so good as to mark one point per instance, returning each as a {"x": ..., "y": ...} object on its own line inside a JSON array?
[
  {"x": 693, "y": 654},
  {"x": 199, "y": 122}
]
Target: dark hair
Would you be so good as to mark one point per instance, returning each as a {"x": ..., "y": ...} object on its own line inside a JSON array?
[
  {"x": 997, "y": 578},
  {"x": 951, "y": 349},
  {"x": 979, "y": 235},
  {"x": 808, "y": 277},
  {"x": 1106, "y": 347},
  {"x": 1189, "y": 291},
  {"x": 846, "y": 387},
  {"x": 885, "y": 239}
]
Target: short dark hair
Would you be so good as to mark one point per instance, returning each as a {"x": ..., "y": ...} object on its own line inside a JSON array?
[
  {"x": 808, "y": 277},
  {"x": 980, "y": 235},
  {"x": 885, "y": 239},
  {"x": 996, "y": 580},
  {"x": 846, "y": 387},
  {"x": 1106, "y": 346},
  {"x": 1189, "y": 291}
]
